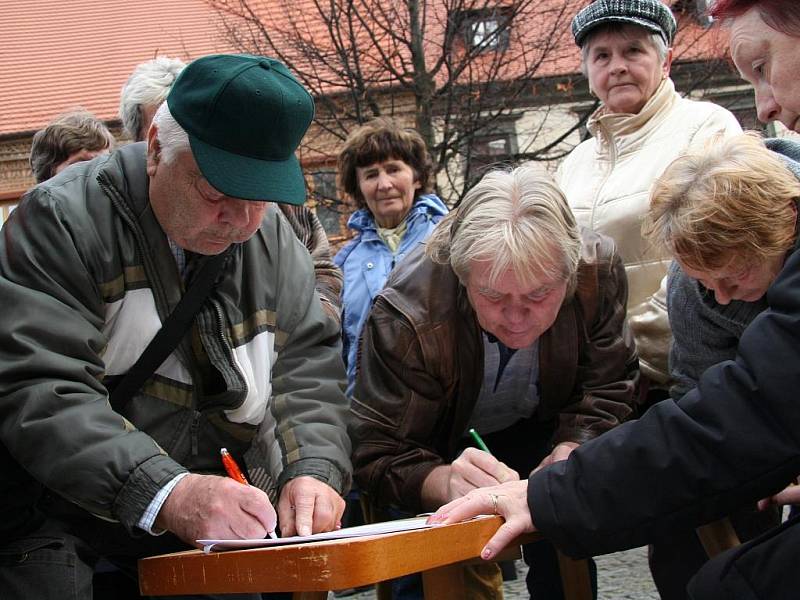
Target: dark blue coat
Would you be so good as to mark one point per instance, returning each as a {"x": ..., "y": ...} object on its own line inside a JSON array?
[{"x": 732, "y": 440}]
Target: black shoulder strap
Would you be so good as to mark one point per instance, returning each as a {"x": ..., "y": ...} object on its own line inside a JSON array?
[{"x": 171, "y": 332}]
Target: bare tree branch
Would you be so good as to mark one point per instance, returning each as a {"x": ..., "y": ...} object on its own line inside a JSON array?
[{"x": 460, "y": 71}]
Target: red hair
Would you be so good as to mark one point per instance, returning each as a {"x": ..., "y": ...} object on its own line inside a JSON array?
[{"x": 780, "y": 15}]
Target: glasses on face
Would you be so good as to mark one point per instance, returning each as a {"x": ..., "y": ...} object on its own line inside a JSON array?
[
  {"x": 212, "y": 195},
  {"x": 207, "y": 191}
]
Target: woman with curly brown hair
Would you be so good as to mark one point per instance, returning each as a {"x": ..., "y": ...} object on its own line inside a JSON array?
[{"x": 385, "y": 170}]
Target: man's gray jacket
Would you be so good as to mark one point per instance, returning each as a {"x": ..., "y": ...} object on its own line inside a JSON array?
[{"x": 86, "y": 279}]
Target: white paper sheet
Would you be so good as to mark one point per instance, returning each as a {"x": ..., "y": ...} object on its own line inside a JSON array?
[{"x": 347, "y": 532}]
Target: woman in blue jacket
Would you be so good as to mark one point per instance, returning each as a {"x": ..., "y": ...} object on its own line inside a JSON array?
[{"x": 385, "y": 169}]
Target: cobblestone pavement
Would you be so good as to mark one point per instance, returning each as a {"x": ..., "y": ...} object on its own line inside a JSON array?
[
  {"x": 625, "y": 576},
  {"x": 620, "y": 576}
]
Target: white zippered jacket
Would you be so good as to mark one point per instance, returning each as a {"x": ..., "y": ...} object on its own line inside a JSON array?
[{"x": 607, "y": 181}]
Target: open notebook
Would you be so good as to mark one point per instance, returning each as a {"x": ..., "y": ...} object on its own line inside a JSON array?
[{"x": 347, "y": 532}]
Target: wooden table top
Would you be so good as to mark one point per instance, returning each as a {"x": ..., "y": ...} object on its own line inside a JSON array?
[{"x": 318, "y": 566}]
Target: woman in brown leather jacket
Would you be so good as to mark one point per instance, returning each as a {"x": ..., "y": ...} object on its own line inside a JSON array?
[{"x": 513, "y": 323}]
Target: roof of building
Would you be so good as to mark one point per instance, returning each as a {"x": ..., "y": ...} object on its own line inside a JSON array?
[{"x": 55, "y": 56}]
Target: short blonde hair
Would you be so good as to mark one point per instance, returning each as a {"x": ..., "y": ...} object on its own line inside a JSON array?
[
  {"x": 517, "y": 219},
  {"x": 732, "y": 200}
]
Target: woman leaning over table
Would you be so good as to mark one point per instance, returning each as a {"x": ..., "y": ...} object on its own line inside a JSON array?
[
  {"x": 385, "y": 169},
  {"x": 641, "y": 126}
]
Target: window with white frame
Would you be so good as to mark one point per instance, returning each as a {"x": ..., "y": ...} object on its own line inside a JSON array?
[{"x": 486, "y": 30}]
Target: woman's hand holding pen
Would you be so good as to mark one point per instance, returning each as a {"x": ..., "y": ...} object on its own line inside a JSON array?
[
  {"x": 212, "y": 507},
  {"x": 472, "y": 469}
]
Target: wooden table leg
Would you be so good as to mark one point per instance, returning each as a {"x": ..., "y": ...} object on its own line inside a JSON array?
[
  {"x": 718, "y": 536},
  {"x": 575, "y": 578},
  {"x": 444, "y": 582}
]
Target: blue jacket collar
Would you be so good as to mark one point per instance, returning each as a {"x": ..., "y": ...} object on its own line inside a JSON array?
[{"x": 427, "y": 204}]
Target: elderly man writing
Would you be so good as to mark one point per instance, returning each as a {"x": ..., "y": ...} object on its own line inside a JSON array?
[
  {"x": 91, "y": 263},
  {"x": 512, "y": 322},
  {"x": 143, "y": 93}
]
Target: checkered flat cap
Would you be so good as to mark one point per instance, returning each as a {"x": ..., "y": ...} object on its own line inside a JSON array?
[{"x": 653, "y": 15}]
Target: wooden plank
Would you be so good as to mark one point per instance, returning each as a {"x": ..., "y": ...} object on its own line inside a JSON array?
[
  {"x": 575, "y": 578},
  {"x": 320, "y": 566},
  {"x": 310, "y": 570}
]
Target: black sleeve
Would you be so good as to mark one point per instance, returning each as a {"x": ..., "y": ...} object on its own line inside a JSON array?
[{"x": 733, "y": 439}]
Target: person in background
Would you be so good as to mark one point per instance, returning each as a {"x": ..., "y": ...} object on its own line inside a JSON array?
[
  {"x": 385, "y": 170},
  {"x": 92, "y": 262},
  {"x": 641, "y": 126},
  {"x": 69, "y": 138},
  {"x": 510, "y": 321},
  {"x": 143, "y": 93},
  {"x": 731, "y": 440}
]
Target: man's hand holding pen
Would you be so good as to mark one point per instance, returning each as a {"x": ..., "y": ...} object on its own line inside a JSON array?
[
  {"x": 306, "y": 504},
  {"x": 235, "y": 473},
  {"x": 212, "y": 507},
  {"x": 475, "y": 469}
]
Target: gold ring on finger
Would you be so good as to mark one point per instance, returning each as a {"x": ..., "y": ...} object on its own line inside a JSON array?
[{"x": 493, "y": 498}]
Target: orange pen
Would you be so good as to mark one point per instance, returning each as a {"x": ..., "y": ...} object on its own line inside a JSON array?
[
  {"x": 234, "y": 472},
  {"x": 231, "y": 468}
]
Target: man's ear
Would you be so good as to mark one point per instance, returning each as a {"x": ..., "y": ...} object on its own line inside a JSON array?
[{"x": 153, "y": 150}]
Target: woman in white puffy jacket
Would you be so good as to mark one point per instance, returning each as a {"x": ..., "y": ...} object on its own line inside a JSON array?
[{"x": 642, "y": 125}]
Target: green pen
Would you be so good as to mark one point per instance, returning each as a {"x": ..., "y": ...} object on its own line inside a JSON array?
[{"x": 479, "y": 441}]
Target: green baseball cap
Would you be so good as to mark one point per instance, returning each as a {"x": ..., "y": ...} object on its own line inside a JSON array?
[{"x": 245, "y": 116}]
